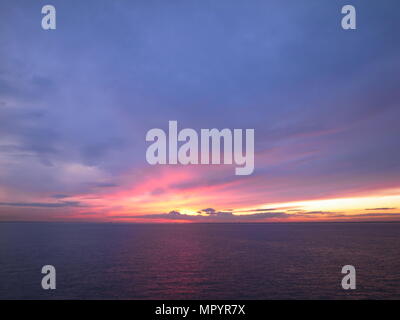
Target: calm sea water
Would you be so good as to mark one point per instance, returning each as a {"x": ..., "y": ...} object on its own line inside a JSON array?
[{"x": 200, "y": 261}]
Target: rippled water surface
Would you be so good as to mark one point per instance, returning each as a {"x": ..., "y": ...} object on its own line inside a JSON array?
[{"x": 200, "y": 261}]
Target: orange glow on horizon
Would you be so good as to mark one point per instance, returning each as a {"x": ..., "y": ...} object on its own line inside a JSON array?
[{"x": 139, "y": 207}]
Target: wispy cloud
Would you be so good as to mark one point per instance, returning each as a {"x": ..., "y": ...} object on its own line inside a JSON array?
[
  {"x": 61, "y": 204},
  {"x": 60, "y": 196},
  {"x": 375, "y": 215}
]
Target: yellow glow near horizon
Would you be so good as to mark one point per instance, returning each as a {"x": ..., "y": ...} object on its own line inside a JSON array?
[
  {"x": 189, "y": 212},
  {"x": 345, "y": 205}
]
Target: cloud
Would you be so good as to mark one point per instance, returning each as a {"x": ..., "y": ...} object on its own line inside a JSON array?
[
  {"x": 174, "y": 213},
  {"x": 291, "y": 208},
  {"x": 216, "y": 216},
  {"x": 208, "y": 211},
  {"x": 106, "y": 185},
  {"x": 319, "y": 212},
  {"x": 373, "y": 215},
  {"x": 61, "y": 204},
  {"x": 381, "y": 209},
  {"x": 60, "y": 196}
]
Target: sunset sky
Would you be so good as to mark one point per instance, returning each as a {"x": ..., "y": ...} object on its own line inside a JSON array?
[{"x": 76, "y": 104}]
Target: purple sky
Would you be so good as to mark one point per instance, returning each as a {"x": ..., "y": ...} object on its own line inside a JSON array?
[{"x": 76, "y": 102}]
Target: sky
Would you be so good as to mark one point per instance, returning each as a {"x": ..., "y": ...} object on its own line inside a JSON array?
[{"x": 76, "y": 104}]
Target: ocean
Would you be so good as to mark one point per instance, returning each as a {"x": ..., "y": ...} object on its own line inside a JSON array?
[{"x": 200, "y": 261}]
